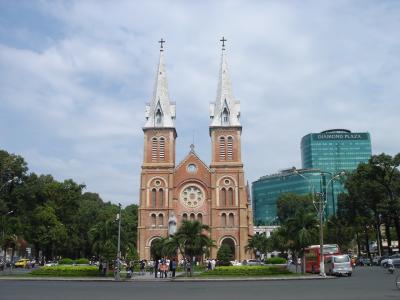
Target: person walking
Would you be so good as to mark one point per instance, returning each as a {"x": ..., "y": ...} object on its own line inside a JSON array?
[
  {"x": 172, "y": 267},
  {"x": 142, "y": 264},
  {"x": 156, "y": 265}
]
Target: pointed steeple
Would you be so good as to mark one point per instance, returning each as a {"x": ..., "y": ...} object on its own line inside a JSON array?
[
  {"x": 160, "y": 112},
  {"x": 225, "y": 111}
]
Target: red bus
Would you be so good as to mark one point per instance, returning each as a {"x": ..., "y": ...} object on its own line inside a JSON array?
[{"x": 312, "y": 256}]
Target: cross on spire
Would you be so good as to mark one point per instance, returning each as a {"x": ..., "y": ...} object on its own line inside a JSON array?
[
  {"x": 223, "y": 40},
  {"x": 161, "y": 44}
]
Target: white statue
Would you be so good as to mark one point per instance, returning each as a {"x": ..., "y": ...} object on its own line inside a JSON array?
[{"x": 172, "y": 224}]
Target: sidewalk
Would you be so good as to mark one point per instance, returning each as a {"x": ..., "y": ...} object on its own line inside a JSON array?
[{"x": 150, "y": 278}]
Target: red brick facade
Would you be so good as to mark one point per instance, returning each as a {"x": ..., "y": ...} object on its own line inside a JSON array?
[{"x": 215, "y": 195}]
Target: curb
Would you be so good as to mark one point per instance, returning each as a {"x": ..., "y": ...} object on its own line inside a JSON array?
[{"x": 176, "y": 279}]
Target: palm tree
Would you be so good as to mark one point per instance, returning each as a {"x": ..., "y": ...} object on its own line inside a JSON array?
[
  {"x": 258, "y": 243},
  {"x": 192, "y": 241},
  {"x": 302, "y": 232}
]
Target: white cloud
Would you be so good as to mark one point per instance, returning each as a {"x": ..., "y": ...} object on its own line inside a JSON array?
[{"x": 297, "y": 67}]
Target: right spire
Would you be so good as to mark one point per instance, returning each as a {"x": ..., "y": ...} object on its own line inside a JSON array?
[{"x": 225, "y": 111}]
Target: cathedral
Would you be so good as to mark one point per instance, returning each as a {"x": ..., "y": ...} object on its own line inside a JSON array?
[{"x": 214, "y": 194}]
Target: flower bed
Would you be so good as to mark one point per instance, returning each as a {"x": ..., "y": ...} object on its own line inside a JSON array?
[
  {"x": 67, "y": 271},
  {"x": 248, "y": 271}
]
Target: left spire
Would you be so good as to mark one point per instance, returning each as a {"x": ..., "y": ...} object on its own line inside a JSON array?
[{"x": 160, "y": 112}]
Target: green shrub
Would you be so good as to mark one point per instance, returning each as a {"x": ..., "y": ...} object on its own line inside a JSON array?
[
  {"x": 65, "y": 261},
  {"x": 224, "y": 255},
  {"x": 67, "y": 271},
  {"x": 82, "y": 261},
  {"x": 249, "y": 271},
  {"x": 276, "y": 260}
]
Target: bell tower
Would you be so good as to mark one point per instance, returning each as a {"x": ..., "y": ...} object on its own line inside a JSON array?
[
  {"x": 158, "y": 162},
  {"x": 230, "y": 197}
]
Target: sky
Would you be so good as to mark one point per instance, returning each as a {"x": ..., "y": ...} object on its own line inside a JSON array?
[{"x": 75, "y": 77}]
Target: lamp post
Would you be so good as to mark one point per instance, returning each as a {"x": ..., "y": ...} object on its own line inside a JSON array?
[
  {"x": 312, "y": 191},
  {"x": 117, "y": 273},
  {"x": 322, "y": 203}
]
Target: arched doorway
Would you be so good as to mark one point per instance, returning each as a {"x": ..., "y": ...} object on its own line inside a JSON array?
[
  {"x": 231, "y": 244},
  {"x": 155, "y": 248}
]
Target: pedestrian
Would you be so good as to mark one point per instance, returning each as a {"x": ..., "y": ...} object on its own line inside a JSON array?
[
  {"x": 209, "y": 265},
  {"x": 104, "y": 266},
  {"x": 173, "y": 267},
  {"x": 142, "y": 267},
  {"x": 156, "y": 264},
  {"x": 100, "y": 268}
]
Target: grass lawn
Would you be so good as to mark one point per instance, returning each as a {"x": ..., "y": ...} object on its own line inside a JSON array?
[{"x": 247, "y": 271}]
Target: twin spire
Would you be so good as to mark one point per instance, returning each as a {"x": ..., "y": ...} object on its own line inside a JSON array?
[{"x": 225, "y": 111}]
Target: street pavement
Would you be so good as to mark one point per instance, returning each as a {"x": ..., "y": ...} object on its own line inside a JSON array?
[{"x": 367, "y": 283}]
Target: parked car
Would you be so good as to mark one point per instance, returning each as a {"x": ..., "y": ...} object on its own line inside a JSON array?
[
  {"x": 51, "y": 264},
  {"x": 254, "y": 262},
  {"x": 22, "y": 263},
  {"x": 338, "y": 265}
]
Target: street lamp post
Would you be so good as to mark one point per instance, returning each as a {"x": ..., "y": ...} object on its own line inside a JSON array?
[
  {"x": 117, "y": 274},
  {"x": 322, "y": 203},
  {"x": 312, "y": 191},
  {"x": 320, "y": 207}
]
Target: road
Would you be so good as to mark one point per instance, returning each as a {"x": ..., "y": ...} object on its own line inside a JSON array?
[{"x": 366, "y": 283}]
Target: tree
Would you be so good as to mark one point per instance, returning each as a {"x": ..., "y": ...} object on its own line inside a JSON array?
[
  {"x": 288, "y": 204},
  {"x": 259, "y": 244},
  {"x": 302, "y": 232},
  {"x": 192, "y": 240},
  {"x": 386, "y": 173},
  {"x": 224, "y": 255}
]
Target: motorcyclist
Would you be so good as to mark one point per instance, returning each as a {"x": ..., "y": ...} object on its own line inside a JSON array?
[{"x": 390, "y": 265}]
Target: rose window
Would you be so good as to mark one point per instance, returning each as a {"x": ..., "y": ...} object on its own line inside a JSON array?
[{"x": 192, "y": 196}]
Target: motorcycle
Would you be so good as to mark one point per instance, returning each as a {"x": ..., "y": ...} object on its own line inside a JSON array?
[{"x": 391, "y": 269}]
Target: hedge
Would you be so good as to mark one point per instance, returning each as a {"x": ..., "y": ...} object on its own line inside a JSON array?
[
  {"x": 67, "y": 271},
  {"x": 247, "y": 271},
  {"x": 69, "y": 261},
  {"x": 276, "y": 260}
]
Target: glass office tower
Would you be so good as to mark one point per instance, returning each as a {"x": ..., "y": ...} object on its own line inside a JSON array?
[
  {"x": 334, "y": 151},
  {"x": 323, "y": 155},
  {"x": 267, "y": 189}
]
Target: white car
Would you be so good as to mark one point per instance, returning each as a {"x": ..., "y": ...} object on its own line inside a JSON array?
[{"x": 51, "y": 264}]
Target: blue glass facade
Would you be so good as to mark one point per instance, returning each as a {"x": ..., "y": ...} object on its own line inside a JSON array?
[
  {"x": 267, "y": 189},
  {"x": 334, "y": 151},
  {"x": 323, "y": 156}
]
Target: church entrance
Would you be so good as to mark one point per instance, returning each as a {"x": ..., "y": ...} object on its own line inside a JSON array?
[{"x": 231, "y": 244}]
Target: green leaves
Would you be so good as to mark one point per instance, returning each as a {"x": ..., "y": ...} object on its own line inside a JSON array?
[{"x": 56, "y": 217}]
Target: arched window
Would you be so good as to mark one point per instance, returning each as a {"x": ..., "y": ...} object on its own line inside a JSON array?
[
  {"x": 200, "y": 218},
  {"x": 153, "y": 198},
  {"x": 160, "y": 220},
  {"x": 192, "y": 217},
  {"x": 222, "y": 196},
  {"x": 222, "y": 148},
  {"x": 225, "y": 116},
  {"x": 231, "y": 221},
  {"x": 162, "y": 148},
  {"x": 158, "y": 117},
  {"x": 230, "y": 197},
  {"x": 223, "y": 220},
  {"x": 229, "y": 151},
  {"x": 184, "y": 217},
  {"x": 154, "y": 149},
  {"x": 161, "y": 197},
  {"x": 153, "y": 220}
]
